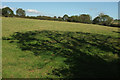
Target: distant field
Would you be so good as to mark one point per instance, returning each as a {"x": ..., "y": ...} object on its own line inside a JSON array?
[
  {"x": 11, "y": 25},
  {"x": 52, "y": 49}
]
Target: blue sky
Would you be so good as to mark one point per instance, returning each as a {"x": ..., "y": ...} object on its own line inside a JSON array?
[
  {"x": 61, "y": 8},
  {"x": 60, "y": 0}
]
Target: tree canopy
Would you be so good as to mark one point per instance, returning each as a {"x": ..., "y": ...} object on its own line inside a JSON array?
[
  {"x": 20, "y": 12},
  {"x": 103, "y": 19},
  {"x": 7, "y": 12},
  {"x": 65, "y": 17},
  {"x": 85, "y": 18}
]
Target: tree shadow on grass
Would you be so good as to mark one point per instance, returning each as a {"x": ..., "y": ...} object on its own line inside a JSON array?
[
  {"x": 82, "y": 65},
  {"x": 81, "y": 50},
  {"x": 116, "y": 31}
]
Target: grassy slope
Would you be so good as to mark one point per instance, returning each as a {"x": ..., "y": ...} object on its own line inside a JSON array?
[
  {"x": 11, "y": 25},
  {"x": 17, "y": 62}
]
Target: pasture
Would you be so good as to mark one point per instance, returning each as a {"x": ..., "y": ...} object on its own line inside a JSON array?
[{"x": 52, "y": 49}]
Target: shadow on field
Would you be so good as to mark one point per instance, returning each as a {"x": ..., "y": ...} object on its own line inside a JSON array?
[
  {"x": 87, "y": 55},
  {"x": 82, "y": 65},
  {"x": 116, "y": 31}
]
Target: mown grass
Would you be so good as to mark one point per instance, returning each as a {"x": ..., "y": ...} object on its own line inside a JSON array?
[
  {"x": 49, "y": 49},
  {"x": 11, "y": 25},
  {"x": 23, "y": 64}
]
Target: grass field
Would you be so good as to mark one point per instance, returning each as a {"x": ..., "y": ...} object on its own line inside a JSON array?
[
  {"x": 52, "y": 49},
  {"x": 11, "y": 25}
]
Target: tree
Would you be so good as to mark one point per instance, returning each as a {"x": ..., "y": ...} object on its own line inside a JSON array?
[
  {"x": 60, "y": 18},
  {"x": 74, "y": 19},
  {"x": 103, "y": 19},
  {"x": 55, "y": 17},
  {"x": 96, "y": 20},
  {"x": 85, "y": 18},
  {"x": 65, "y": 17},
  {"x": 7, "y": 12},
  {"x": 20, "y": 12}
]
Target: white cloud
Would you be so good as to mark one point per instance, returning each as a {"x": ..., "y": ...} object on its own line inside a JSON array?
[{"x": 32, "y": 11}]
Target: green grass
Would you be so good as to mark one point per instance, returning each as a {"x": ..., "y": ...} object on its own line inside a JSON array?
[
  {"x": 11, "y": 25},
  {"x": 24, "y": 64},
  {"x": 52, "y": 49}
]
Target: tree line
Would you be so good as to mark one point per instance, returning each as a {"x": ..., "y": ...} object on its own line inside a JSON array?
[{"x": 101, "y": 19}]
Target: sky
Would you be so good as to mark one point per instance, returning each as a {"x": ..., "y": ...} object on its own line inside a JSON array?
[
  {"x": 69, "y": 8},
  {"x": 60, "y": 0}
]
